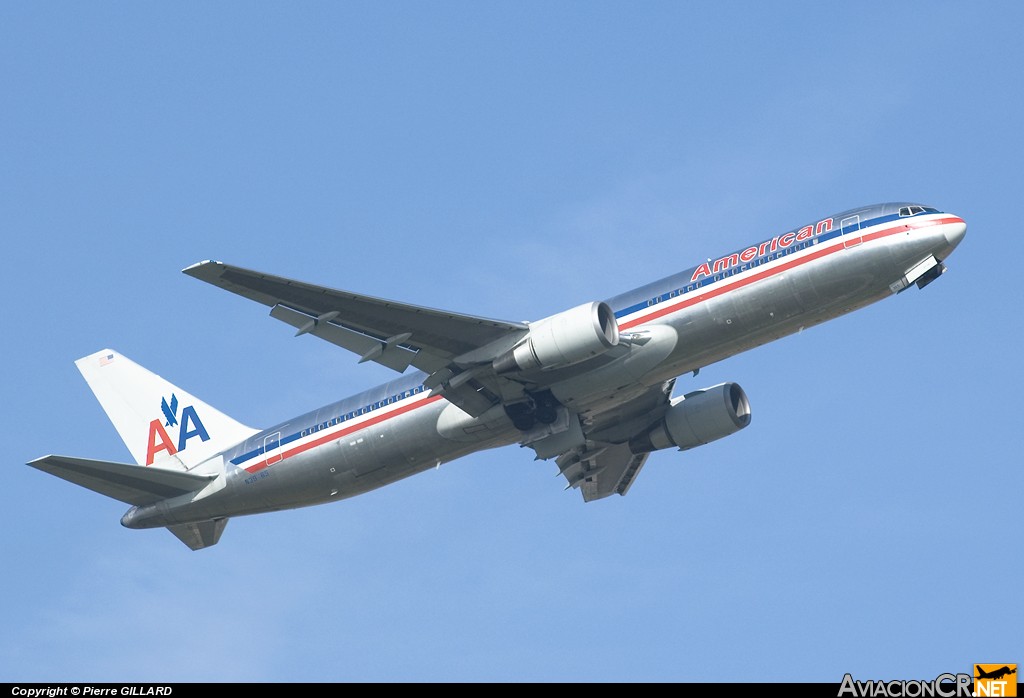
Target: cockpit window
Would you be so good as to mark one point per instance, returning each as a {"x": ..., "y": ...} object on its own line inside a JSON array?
[{"x": 915, "y": 210}]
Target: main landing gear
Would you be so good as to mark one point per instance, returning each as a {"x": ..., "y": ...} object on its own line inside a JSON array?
[{"x": 538, "y": 408}]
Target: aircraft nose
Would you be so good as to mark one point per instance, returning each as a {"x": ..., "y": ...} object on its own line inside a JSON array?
[{"x": 955, "y": 231}]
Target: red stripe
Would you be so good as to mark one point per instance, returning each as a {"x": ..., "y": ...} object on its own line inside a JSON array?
[
  {"x": 344, "y": 432},
  {"x": 785, "y": 266}
]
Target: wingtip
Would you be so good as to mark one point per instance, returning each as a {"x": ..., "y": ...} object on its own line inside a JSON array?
[{"x": 193, "y": 268}]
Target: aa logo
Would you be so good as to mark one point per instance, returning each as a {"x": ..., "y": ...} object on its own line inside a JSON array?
[
  {"x": 995, "y": 680},
  {"x": 188, "y": 425}
]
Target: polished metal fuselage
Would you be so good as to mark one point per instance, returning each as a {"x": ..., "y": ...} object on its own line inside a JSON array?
[{"x": 680, "y": 324}]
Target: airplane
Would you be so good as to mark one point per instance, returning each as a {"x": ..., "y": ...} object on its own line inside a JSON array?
[
  {"x": 590, "y": 387},
  {"x": 996, "y": 674}
]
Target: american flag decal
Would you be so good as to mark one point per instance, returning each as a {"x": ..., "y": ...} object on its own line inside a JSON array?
[{"x": 106, "y": 359}]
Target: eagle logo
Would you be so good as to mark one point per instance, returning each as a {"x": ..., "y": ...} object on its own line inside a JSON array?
[{"x": 170, "y": 411}]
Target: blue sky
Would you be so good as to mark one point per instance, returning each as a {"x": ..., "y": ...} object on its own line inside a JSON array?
[{"x": 513, "y": 160}]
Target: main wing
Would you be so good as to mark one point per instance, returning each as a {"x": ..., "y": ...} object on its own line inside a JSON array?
[
  {"x": 393, "y": 334},
  {"x": 442, "y": 334}
]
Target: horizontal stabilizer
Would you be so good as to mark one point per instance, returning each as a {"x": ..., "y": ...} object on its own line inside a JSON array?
[
  {"x": 125, "y": 482},
  {"x": 199, "y": 535}
]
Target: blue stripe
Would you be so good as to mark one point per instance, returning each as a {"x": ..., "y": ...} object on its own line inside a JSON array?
[{"x": 340, "y": 412}]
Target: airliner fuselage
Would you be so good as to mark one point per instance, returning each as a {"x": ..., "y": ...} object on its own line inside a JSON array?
[{"x": 597, "y": 404}]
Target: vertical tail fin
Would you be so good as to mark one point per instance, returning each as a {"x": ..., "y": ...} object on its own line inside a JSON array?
[{"x": 161, "y": 424}]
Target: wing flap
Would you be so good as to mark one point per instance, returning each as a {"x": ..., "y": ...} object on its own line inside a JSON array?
[
  {"x": 385, "y": 351},
  {"x": 607, "y": 471},
  {"x": 125, "y": 482}
]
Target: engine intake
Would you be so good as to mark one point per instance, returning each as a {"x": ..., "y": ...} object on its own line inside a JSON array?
[
  {"x": 564, "y": 339},
  {"x": 697, "y": 419}
]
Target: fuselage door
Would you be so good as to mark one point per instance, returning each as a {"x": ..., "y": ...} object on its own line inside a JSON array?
[
  {"x": 272, "y": 448},
  {"x": 851, "y": 231}
]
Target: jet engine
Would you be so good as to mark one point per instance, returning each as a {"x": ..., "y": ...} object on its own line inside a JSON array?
[
  {"x": 564, "y": 339},
  {"x": 696, "y": 419}
]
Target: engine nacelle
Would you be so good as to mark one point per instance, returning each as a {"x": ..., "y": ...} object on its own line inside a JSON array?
[
  {"x": 563, "y": 339},
  {"x": 697, "y": 419}
]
